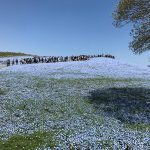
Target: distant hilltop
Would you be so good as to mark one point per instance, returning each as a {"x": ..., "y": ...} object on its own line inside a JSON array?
[{"x": 11, "y": 54}]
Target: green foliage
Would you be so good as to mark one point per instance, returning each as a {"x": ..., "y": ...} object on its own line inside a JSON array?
[
  {"x": 136, "y": 12},
  {"x": 106, "y": 144},
  {"x": 3, "y": 92},
  {"x": 139, "y": 127},
  {"x": 29, "y": 142},
  {"x": 10, "y": 54}
]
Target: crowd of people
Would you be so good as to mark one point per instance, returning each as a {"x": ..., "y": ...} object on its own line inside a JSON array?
[{"x": 53, "y": 59}]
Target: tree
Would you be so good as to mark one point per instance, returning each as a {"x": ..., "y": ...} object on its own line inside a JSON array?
[{"x": 136, "y": 12}]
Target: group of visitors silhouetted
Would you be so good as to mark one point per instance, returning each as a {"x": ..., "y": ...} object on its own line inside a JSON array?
[{"x": 53, "y": 59}]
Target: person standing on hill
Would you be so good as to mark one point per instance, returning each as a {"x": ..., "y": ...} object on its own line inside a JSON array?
[
  {"x": 8, "y": 62},
  {"x": 16, "y": 61}
]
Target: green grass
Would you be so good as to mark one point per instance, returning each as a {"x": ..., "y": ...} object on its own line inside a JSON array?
[
  {"x": 11, "y": 54},
  {"x": 33, "y": 141},
  {"x": 107, "y": 144},
  {"x": 3, "y": 92},
  {"x": 40, "y": 83},
  {"x": 22, "y": 106},
  {"x": 80, "y": 83},
  {"x": 138, "y": 127}
]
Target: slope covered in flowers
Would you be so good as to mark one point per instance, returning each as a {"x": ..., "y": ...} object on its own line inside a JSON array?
[
  {"x": 95, "y": 104},
  {"x": 85, "y": 69}
]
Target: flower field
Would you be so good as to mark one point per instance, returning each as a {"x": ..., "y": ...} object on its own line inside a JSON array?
[{"x": 94, "y": 104}]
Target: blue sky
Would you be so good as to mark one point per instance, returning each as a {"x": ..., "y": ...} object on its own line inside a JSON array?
[{"x": 64, "y": 27}]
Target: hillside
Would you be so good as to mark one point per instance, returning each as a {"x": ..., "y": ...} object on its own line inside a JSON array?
[
  {"x": 95, "y": 104},
  {"x": 11, "y": 54},
  {"x": 92, "y": 68}
]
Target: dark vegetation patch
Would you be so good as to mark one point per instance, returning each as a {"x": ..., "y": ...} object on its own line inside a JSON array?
[
  {"x": 33, "y": 141},
  {"x": 139, "y": 127},
  {"x": 3, "y": 91},
  {"x": 129, "y": 105},
  {"x": 80, "y": 83},
  {"x": 11, "y": 54}
]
